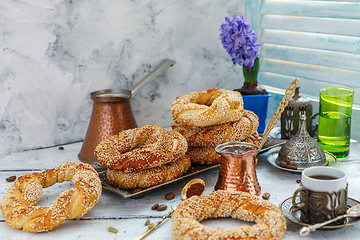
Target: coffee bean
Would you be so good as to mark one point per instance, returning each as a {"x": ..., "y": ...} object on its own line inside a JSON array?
[
  {"x": 283, "y": 164},
  {"x": 61, "y": 148},
  {"x": 137, "y": 190},
  {"x": 291, "y": 167},
  {"x": 155, "y": 206},
  {"x": 138, "y": 196},
  {"x": 298, "y": 181},
  {"x": 170, "y": 196},
  {"x": 11, "y": 179},
  {"x": 266, "y": 196},
  {"x": 161, "y": 207}
]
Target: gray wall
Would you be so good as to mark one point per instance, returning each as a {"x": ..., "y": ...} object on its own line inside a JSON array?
[{"x": 55, "y": 52}]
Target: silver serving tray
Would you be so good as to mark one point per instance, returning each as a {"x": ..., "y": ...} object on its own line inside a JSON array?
[{"x": 331, "y": 160}]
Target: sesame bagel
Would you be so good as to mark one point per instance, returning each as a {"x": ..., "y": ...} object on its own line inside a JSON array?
[
  {"x": 215, "y": 135},
  {"x": 19, "y": 205},
  {"x": 207, "y": 154},
  {"x": 269, "y": 221},
  {"x": 211, "y": 107},
  {"x": 141, "y": 148},
  {"x": 149, "y": 177}
]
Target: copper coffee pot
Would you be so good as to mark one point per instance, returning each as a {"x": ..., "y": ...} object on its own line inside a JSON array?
[
  {"x": 112, "y": 112},
  {"x": 237, "y": 167},
  {"x": 238, "y": 159}
]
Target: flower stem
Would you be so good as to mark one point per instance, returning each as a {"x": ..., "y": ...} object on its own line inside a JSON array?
[{"x": 251, "y": 73}]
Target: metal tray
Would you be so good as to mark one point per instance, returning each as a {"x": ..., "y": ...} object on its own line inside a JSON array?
[
  {"x": 331, "y": 160},
  {"x": 130, "y": 193},
  {"x": 195, "y": 169}
]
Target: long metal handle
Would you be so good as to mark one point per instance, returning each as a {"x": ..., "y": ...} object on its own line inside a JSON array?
[
  {"x": 165, "y": 64},
  {"x": 284, "y": 102},
  {"x": 307, "y": 229},
  {"x": 157, "y": 224}
]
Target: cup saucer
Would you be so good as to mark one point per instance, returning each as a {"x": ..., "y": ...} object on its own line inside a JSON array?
[
  {"x": 331, "y": 160},
  {"x": 287, "y": 209}
]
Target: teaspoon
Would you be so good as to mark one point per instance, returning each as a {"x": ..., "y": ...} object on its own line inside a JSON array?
[
  {"x": 195, "y": 187},
  {"x": 354, "y": 211}
]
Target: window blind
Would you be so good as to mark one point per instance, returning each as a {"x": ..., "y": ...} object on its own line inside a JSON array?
[{"x": 315, "y": 41}]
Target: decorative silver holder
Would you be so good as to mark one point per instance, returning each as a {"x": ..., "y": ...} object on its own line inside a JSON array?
[{"x": 302, "y": 151}]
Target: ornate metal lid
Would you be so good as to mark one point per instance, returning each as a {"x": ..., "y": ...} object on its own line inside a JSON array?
[
  {"x": 298, "y": 101},
  {"x": 302, "y": 150}
]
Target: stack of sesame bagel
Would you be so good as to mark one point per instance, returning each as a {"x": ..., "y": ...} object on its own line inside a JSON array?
[
  {"x": 209, "y": 118},
  {"x": 143, "y": 157}
]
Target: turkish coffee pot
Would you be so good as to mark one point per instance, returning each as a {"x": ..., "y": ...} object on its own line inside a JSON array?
[{"x": 112, "y": 112}]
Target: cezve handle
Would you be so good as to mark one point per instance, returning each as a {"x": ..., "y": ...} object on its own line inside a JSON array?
[{"x": 165, "y": 64}]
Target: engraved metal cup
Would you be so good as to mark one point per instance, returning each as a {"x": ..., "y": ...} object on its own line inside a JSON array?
[
  {"x": 237, "y": 167},
  {"x": 322, "y": 195},
  {"x": 317, "y": 207}
]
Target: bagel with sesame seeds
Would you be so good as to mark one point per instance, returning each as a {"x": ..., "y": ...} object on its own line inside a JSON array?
[
  {"x": 213, "y": 106},
  {"x": 269, "y": 221},
  {"x": 207, "y": 155},
  {"x": 19, "y": 203},
  {"x": 215, "y": 135},
  {"x": 137, "y": 149},
  {"x": 149, "y": 177}
]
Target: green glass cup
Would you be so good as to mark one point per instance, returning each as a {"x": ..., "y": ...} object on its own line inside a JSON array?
[{"x": 335, "y": 120}]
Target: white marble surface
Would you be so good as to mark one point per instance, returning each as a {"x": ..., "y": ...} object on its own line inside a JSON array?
[
  {"x": 129, "y": 215},
  {"x": 55, "y": 52}
]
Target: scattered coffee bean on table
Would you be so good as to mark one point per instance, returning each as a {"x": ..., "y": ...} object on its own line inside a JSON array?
[
  {"x": 161, "y": 207},
  {"x": 154, "y": 207},
  {"x": 61, "y": 148},
  {"x": 298, "y": 181},
  {"x": 266, "y": 196},
  {"x": 11, "y": 179},
  {"x": 170, "y": 196}
]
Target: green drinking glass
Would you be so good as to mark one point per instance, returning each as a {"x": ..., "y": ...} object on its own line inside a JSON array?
[{"x": 335, "y": 120}]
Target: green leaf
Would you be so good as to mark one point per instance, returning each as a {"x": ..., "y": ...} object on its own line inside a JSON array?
[{"x": 250, "y": 74}]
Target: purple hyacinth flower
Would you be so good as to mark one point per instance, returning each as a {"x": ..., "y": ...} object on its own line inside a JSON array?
[{"x": 239, "y": 40}]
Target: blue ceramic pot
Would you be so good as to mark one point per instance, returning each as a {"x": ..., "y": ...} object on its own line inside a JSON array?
[{"x": 257, "y": 104}]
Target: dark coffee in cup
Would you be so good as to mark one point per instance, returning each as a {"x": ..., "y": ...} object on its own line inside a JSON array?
[{"x": 323, "y": 177}]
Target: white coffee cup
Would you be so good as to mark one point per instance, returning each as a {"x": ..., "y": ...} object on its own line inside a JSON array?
[{"x": 321, "y": 185}]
